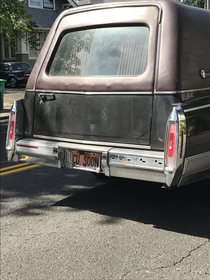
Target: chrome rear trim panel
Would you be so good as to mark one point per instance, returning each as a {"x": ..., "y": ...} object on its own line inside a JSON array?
[
  {"x": 126, "y": 163},
  {"x": 138, "y": 174},
  {"x": 34, "y": 147},
  {"x": 136, "y": 159}
]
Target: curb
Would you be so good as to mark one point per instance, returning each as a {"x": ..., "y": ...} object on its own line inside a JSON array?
[
  {"x": 4, "y": 117},
  {"x": 4, "y": 114},
  {"x": 10, "y": 95}
]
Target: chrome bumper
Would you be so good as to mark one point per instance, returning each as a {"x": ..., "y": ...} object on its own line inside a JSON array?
[{"x": 126, "y": 163}]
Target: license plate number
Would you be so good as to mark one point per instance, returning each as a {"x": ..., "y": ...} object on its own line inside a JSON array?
[{"x": 87, "y": 161}]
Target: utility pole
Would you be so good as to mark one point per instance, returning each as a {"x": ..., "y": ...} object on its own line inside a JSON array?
[{"x": 208, "y": 4}]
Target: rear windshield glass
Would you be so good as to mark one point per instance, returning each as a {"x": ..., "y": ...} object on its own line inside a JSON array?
[
  {"x": 20, "y": 66},
  {"x": 116, "y": 51}
]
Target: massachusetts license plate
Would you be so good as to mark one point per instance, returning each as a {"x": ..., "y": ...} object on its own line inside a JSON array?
[{"x": 87, "y": 161}]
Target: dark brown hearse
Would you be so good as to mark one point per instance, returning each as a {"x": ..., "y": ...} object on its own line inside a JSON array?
[{"x": 121, "y": 89}]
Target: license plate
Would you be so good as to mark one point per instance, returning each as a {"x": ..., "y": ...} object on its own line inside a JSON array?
[{"x": 86, "y": 161}]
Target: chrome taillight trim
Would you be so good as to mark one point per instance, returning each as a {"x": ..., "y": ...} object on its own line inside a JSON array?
[
  {"x": 177, "y": 116},
  {"x": 10, "y": 148}
]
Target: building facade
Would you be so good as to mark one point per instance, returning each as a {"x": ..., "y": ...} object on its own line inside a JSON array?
[{"x": 44, "y": 13}]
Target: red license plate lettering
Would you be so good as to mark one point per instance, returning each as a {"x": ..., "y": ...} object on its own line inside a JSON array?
[{"x": 86, "y": 161}]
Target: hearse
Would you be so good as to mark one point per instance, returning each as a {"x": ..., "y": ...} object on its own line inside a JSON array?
[{"x": 120, "y": 89}]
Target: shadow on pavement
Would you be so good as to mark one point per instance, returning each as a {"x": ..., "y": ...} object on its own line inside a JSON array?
[{"x": 184, "y": 210}]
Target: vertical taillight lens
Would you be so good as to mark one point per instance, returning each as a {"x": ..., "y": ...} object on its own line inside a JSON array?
[
  {"x": 171, "y": 144},
  {"x": 12, "y": 126},
  {"x": 11, "y": 130}
]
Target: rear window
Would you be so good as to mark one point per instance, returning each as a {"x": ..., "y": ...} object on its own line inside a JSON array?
[
  {"x": 20, "y": 66},
  {"x": 116, "y": 51}
]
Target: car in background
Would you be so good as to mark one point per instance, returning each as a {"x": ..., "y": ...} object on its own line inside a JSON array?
[{"x": 15, "y": 73}]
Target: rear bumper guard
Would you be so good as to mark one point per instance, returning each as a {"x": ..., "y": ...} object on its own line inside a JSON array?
[{"x": 126, "y": 163}]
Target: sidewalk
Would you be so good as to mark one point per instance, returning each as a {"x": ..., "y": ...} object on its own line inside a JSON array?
[{"x": 10, "y": 95}]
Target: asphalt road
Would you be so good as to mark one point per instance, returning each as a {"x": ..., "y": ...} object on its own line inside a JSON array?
[{"x": 66, "y": 224}]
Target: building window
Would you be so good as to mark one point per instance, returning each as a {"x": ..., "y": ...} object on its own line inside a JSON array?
[
  {"x": 41, "y": 36},
  {"x": 44, "y": 4},
  {"x": 8, "y": 48},
  {"x": 48, "y": 4},
  {"x": 35, "y": 3},
  {"x": 32, "y": 53}
]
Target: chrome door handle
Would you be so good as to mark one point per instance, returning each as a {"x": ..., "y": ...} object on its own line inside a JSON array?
[
  {"x": 46, "y": 97},
  {"x": 204, "y": 74}
]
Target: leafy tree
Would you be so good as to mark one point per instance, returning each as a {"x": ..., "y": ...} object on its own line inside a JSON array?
[
  {"x": 196, "y": 3},
  {"x": 16, "y": 22}
]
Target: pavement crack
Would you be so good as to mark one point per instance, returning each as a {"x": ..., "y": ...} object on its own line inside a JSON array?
[
  {"x": 183, "y": 258},
  {"x": 125, "y": 274}
]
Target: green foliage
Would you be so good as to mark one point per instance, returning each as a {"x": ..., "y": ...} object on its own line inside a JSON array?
[
  {"x": 196, "y": 3},
  {"x": 15, "y": 21}
]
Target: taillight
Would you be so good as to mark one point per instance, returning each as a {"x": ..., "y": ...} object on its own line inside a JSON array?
[
  {"x": 12, "y": 126},
  {"x": 171, "y": 145},
  {"x": 11, "y": 130}
]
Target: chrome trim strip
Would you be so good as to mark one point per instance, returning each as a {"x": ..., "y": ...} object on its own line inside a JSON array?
[
  {"x": 194, "y": 90},
  {"x": 78, "y": 147},
  {"x": 182, "y": 91},
  {"x": 197, "y": 108},
  {"x": 93, "y": 142},
  {"x": 157, "y": 54},
  {"x": 93, "y": 93},
  {"x": 167, "y": 92},
  {"x": 30, "y": 90},
  {"x": 160, "y": 13},
  {"x": 196, "y": 163},
  {"x": 112, "y": 93}
]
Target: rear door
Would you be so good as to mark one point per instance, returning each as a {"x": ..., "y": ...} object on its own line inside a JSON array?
[{"x": 97, "y": 80}]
